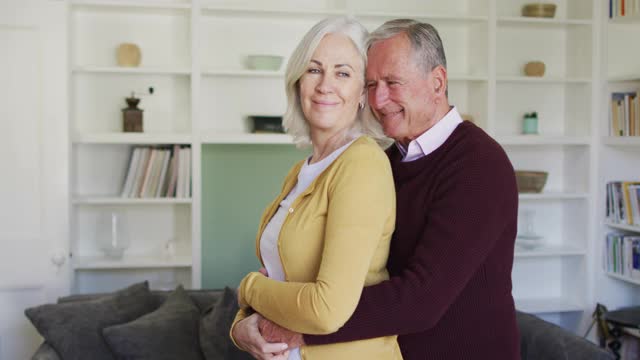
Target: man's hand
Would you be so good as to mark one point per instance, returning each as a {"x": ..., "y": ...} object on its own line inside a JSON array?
[
  {"x": 247, "y": 336},
  {"x": 273, "y": 332}
]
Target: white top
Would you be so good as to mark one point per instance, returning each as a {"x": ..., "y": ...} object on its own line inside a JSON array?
[
  {"x": 431, "y": 139},
  {"x": 269, "y": 239}
]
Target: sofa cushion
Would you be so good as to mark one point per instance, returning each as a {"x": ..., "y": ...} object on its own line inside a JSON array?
[
  {"x": 170, "y": 332},
  {"x": 74, "y": 330},
  {"x": 215, "y": 326},
  {"x": 204, "y": 299},
  {"x": 540, "y": 339}
]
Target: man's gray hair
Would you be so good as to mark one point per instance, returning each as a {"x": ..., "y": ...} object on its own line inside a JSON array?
[
  {"x": 425, "y": 41},
  {"x": 294, "y": 120}
]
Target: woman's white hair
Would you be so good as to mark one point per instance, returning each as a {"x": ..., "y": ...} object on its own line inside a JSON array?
[{"x": 294, "y": 120}]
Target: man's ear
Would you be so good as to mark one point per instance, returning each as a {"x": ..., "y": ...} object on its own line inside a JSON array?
[{"x": 439, "y": 78}]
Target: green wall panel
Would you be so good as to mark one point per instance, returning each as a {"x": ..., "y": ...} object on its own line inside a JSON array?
[{"x": 238, "y": 181}]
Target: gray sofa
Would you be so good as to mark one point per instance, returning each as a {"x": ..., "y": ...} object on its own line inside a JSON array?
[{"x": 539, "y": 340}]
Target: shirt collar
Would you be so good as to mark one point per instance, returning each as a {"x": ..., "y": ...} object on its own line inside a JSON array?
[{"x": 431, "y": 139}]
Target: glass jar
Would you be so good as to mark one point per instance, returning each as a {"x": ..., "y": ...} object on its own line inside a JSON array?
[{"x": 113, "y": 234}]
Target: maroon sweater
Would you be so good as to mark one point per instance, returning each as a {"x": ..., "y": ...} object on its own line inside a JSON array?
[{"x": 449, "y": 295}]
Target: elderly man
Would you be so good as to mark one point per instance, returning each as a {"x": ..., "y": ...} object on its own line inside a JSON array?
[{"x": 449, "y": 295}]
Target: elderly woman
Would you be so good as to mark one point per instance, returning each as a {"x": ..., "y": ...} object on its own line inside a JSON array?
[{"x": 327, "y": 234}]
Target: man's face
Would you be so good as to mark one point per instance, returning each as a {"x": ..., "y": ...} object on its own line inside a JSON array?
[{"x": 401, "y": 95}]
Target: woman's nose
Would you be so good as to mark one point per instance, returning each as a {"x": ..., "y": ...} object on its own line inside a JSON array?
[{"x": 325, "y": 85}]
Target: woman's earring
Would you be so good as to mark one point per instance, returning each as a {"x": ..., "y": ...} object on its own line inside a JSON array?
[{"x": 361, "y": 106}]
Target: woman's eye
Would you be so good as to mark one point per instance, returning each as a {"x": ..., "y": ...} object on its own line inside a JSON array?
[
  {"x": 313, "y": 71},
  {"x": 343, "y": 74}
]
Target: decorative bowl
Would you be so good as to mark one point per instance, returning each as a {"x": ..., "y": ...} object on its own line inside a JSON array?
[
  {"x": 544, "y": 10},
  {"x": 534, "y": 68},
  {"x": 264, "y": 62},
  {"x": 531, "y": 181}
]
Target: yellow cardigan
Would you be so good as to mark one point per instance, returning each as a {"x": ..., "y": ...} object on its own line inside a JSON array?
[{"x": 334, "y": 241}]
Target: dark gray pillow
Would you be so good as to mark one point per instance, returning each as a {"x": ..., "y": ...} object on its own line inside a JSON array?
[
  {"x": 215, "y": 326},
  {"x": 170, "y": 332},
  {"x": 74, "y": 330},
  {"x": 543, "y": 340}
]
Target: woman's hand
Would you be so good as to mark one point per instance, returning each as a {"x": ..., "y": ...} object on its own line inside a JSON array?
[
  {"x": 247, "y": 336},
  {"x": 273, "y": 332}
]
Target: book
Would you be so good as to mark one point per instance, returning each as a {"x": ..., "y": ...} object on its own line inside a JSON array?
[
  {"x": 161, "y": 188},
  {"x": 131, "y": 173},
  {"x": 171, "y": 192}
]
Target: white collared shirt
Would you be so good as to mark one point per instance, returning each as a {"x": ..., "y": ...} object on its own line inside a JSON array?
[{"x": 431, "y": 139}]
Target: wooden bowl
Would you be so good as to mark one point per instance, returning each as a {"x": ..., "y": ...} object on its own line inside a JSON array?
[
  {"x": 531, "y": 181},
  {"x": 534, "y": 68},
  {"x": 128, "y": 55},
  {"x": 544, "y": 10}
]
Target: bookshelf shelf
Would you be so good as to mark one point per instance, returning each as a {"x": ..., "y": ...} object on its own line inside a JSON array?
[
  {"x": 97, "y": 200},
  {"x": 231, "y": 138},
  {"x": 256, "y": 12},
  {"x": 625, "y": 78},
  {"x": 244, "y": 73},
  {"x": 127, "y": 5},
  {"x": 133, "y": 262},
  {"x": 631, "y": 228},
  {"x": 548, "y": 305},
  {"x": 549, "y": 251},
  {"x": 543, "y": 140},
  {"x": 95, "y": 69},
  {"x": 132, "y": 138},
  {"x": 464, "y": 19},
  {"x": 529, "y": 21},
  {"x": 621, "y": 140},
  {"x": 542, "y": 80},
  {"x": 553, "y": 196},
  {"x": 623, "y": 20},
  {"x": 623, "y": 278}
]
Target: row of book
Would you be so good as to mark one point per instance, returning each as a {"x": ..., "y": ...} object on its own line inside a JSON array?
[
  {"x": 156, "y": 172},
  {"x": 622, "y": 255},
  {"x": 619, "y": 8},
  {"x": 623, "y": 202},
  {"x": 625, "y": 114}
]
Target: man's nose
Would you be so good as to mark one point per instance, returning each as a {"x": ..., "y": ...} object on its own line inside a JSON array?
[{"x": 379, "y": 96}]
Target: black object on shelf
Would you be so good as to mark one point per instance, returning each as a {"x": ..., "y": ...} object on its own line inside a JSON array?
[
  {"x": 266, "y": 124},
  {"x": 132, "y": 116}
]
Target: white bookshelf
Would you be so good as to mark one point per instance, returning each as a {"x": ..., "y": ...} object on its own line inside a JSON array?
[
  {"x": 204, "y": 96},
  {"x": 618, "y": 156}
]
